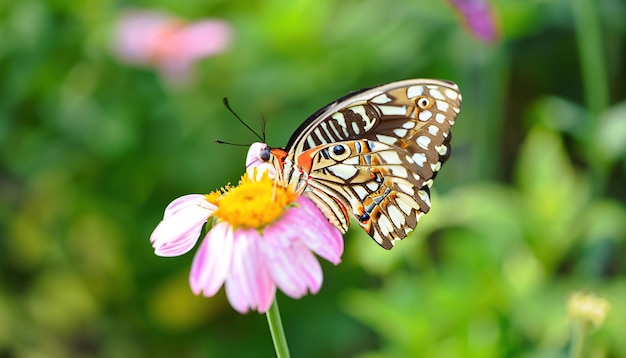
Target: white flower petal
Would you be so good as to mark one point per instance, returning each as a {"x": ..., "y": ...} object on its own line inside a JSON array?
[
  {"x": 249, "y": 285},
  {"x": 294, "y": 268},
  {"x": 179, "y": 231},
  {"x": 187, "y": 201},
  {"x": 307, "y": 223},
  {"x": 212, "y": 261}
]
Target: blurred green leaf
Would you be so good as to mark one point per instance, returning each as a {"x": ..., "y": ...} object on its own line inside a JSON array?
[{"x": 92, "y": 150}]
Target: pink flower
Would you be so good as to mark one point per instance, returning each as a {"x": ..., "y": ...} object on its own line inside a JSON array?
[
  {"x": 478, "y": 18},
  {"x": 169, "y": 44},
  {"x": 264, "y": 236}
]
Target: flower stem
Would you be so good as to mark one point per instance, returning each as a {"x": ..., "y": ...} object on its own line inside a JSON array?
[
  {"x": 595, "y": 81},
  {"x": 589, "y": 39},
  {"x": 579, "y": 332},
  {"x": 276, "y": 328}
]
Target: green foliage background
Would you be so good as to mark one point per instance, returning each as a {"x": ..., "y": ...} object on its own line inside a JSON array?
[{"x": 530, "y": 208}]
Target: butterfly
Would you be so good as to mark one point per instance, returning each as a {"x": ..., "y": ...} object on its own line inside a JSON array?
[{"x": 373, "y": 153}]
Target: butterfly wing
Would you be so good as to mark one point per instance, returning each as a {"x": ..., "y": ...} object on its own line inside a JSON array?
[{"x": 375, "y": 152}]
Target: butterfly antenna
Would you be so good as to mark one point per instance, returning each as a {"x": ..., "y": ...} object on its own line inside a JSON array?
[
  {"x": 241, "y": 120},
  {"x": 229, "y": 143},
  {"x": 263, "y": 123}
]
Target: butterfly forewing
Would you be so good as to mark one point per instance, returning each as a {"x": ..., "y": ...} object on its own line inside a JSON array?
[{"x": 374, "y": 153}]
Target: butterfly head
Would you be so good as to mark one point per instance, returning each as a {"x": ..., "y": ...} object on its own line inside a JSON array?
[{"x": 264, "y": 157}]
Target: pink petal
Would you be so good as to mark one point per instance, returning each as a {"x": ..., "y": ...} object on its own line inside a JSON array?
[
  {"x": 315, "y": 231},
  {"x": 294, "y": 268},
  {"x": 212, "y": 261},
  {"x": 138, "y": 34},
  {"x": 167, "y": 43},
  {"x": 186, "y": 201},
  {"x": 178, "y": 232},
  {"x": 249, "y": 284},
  {"x": 479, "y": 18},
  {"x": 177, "y": 51},
  {"x": 201, "y": 39}
]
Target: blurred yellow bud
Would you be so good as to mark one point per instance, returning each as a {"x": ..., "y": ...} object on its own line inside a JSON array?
[{"x": 588, "y": 308}]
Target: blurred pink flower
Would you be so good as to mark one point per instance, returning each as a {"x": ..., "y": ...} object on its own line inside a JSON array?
[
  {"x": 169, "y": 44},
  {"x": 478, "y": 17},
  {"x": 263, "y": 237}
]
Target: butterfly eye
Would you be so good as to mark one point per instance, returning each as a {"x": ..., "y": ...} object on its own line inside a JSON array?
[
  {"x": 265, "y": 154},
  {"x": 339, "y": 149},
  {"x": 337, "y": 152},
  {"x": 424, "y": 102}
]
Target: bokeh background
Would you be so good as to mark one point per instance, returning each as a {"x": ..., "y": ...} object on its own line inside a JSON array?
[{"x": 105, "y": 118}]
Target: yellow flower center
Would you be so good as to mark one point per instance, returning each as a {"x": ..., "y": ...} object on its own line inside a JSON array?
[{"x": 252, "y": 203}]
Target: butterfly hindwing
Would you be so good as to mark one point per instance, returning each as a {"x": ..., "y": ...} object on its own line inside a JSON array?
[
  {"x": 377, "y": 181},
  {"x": 374, "y": 153}
]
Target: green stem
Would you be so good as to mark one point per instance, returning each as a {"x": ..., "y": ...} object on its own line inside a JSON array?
[
  {"x": 578, "y": 338},
  {"x": 595, "y": 81},
  {"x": 591, "y": 53},
  {"x": 276, "y": 328}
]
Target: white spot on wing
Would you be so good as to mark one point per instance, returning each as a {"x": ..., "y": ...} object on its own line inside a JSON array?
[
  {"x": 406, "y": 188},
  {"x": 331, "y": 124},
  {"x": 436, "y": 94},
  {"x": 390, "y": 157},
  {"x": 372, "y": 185},
  {"x": 408, "y": 125},
  {"x": 399, "y": 171},
  {"x": 404, "y": 206},
  {"x": 424, "y": 196},
  {"x": 441, "y": 149},
  {"x": 400, "y": 132},
  {"x": 393, "y": 110},
  {"x": 386, "y": 139},
  {"x": 343, "y": 171},
  {"x": 360, "y": 192},
  {"x": 381, "y": 99},
  {"x": 414, "y": 91},
  {"x": 355, "y": 128},
  {"x": 353, "y": 161},
  {"x": 443, "y": 106},
  {"x": 433, "y": 130},
  {"x": 440, "y": 117},
  {"x": 423, "y": 141},
  {"x": 408, "y": 200},
  {"x": 436, "y": 167},
  {"x": 318, "y": 133},
  {"x": 425, "y": 115},
  {"x": 368, "y": 122},
  {"x": 385, "y": 225},
  {"x": 341, "y": 121},
  {"x": 419, "y": 159},
  {"x": 324, "y": 126},
  {"x": 376, "y": 236},
  {"x": 396, "y": 216},
  {"x": 451, "y": 94}
]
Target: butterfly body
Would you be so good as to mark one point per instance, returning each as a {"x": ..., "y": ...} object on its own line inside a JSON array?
[{"x": 372, "y": 153}]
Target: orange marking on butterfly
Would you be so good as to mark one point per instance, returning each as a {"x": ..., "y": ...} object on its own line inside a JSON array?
[
  {"x": 305, "y": 160},
  {"x": 280, "y": 155},
  {"x": 343, "y": 208}
]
